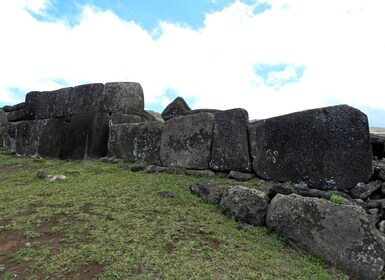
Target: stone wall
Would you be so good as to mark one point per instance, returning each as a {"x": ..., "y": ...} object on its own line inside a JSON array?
[{"x": 322, "y": 152}]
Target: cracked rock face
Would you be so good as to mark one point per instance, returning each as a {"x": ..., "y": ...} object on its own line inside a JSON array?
[{"x": 340, "y": 234}]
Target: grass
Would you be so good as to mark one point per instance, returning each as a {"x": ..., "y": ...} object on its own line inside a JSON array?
[{"x": 106, "y": 222}]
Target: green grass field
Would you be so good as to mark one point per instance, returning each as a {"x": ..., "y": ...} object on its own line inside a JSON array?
[{"x": 106, "y": 222}]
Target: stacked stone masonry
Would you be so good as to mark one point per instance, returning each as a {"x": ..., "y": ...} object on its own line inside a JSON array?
[{"x": 321, "y": 152}]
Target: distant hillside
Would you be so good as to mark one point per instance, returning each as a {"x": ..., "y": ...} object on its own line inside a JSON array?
[{"x": 377, "y": 130}]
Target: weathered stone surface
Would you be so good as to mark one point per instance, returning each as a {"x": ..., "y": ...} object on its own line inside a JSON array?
[
  {"x": 87, "y": 136},
  {"x": 84, "y": 99},
  {"x": 10, "y": 137},
  {"x": 200, "y": 173},
  {"x": 230, "y": 147},
  {"x": 119, "y": 118},
  {"x": 186, "y": 141},
  {"x": 44, "y": 105},
  {"x": 16, "y": 115},
  {"x": 379, "y": 171},
  {"x": 240, "y": 176},
  {"x": 52, "y": 140},
  {"x": 314, "y": 146},
  {"x": 62, "y": 99},
  {"x": 122, "y": 97},
  {"x": 31, "y": 100},
  {"x": 208, "y": 191},
  {"x": 8, "y": 108},
  {"x": 27, "y": 137},
  {"x": 155, "y": 169},
  {"x": 363, "y": 191},
  {"x": 3, "y": 126},
  {"x": 342, "y": 235},
  {"x": 136, "y": 141},
  {"x": 147, "y": 117},
  {"x": 177, "y": 108},
  {"x": 198, "y": 111},
  {"x": 244, "y": 204}
]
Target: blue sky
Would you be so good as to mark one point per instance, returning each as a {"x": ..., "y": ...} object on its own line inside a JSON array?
[{"x": 270, "y": 57}]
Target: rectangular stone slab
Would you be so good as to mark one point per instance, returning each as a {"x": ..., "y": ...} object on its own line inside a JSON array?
[
  {"x": 326, "y": 148},
  {"x": 186, "y": 141}
]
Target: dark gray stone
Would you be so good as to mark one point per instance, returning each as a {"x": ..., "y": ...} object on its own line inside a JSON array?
[
  {"x": 138, "y": 167},
  {"x": 136, "y": 141},
  {"x": 44, "y": 105},
  {"x": 27, "y": 137},
  {"x": 363, "y": 191},
  {"x": 208, "y": 191},
  {"x": 119, "y": 118},
  {"x": 19, "y": 106},
  {"x": 240, "y": 176},
  {"x": 379, "y": 171},
  {"x": 315, "y": 147},
  {"x": 31, "y": 100},
  {"x": 176, "y": 108},
  {"x": 8, "y": 108},
  {"x": 62, "y": 107},
  {"x": 230, "y": 147},
  {"x": 87, "y": 136},
  {"x": 3, "y": 126},
  {"x": 186, "y": 141},
  {"x": 16, "y": 115},
  {"x": 10, "y": 137},
  {"x": 198, "y": 111},
  {"x": 155, "y": 169},
  {"x": 244, "y": 204},
  {"x": 52, "y": 140},
  {"x": 83, "y": 99},
  {"x": 147, "y": 117},
  {"x": 122, "y": 97},
  {"x": 200, "y": 173},
  {"x": 342, "y": 235}
]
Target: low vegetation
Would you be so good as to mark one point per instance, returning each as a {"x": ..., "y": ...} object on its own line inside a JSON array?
[{"x": 106, "y": 222}]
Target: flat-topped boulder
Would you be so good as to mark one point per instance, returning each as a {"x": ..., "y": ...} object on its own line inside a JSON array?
[
  {"x": 186, "y": 141},
  {"x": 325, "y": 148}
]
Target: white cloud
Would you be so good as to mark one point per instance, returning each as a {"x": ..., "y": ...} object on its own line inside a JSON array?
[{"x": 339, "y": 43}]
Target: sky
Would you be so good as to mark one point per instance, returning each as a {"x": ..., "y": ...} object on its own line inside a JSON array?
[{"x": 269, "y": 57}]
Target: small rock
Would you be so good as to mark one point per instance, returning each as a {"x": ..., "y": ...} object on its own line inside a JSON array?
[
  {"x": 28, "y": 244},
  {"x": 208, "y": 191},
  {"x": 154, "y": 169},
  {"x": 2, "y": 268},
  {"x": 200, "y": 173},
  {"x": 373, "y": 211},
  {"x": 240, "y": 176},
  {"x": 221, "y": 174},
  {"x": 244, "y": 227},
  {"x": 137, "y": 167},
  {"x": 381, "y": 226},
  {"x": 167, "y": 194},
  {"x": 363, "y": 191},
  {"x": 53, "y": 178},
  {"x": 41, "y": 174},
  {"x": 174, "y": 170}
]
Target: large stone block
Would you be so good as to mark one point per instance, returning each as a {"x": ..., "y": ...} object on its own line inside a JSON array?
[
  {"x": 52, "y": 139},
  {"x": 16, "y": 115},
  {"x": 87, "y": 136},
  {"x": 27, "y": 137},
  {"x": 119, "y": 118},
  {"x": 136, "y": 141},
  {"x": 122, "y": 97},
  {"x": 3, "y": 126},
  {"x": 186, "y": 141},
  {"x": 9, "y": 141},
  {"x": 61, "y": 105},
  {"x": 230, "y": 147},
  {"x": 326, "y": 148},
  {"x": 83, "y": 99},
  {"x": 31, "y": 100},
  {"x": 342, "y": 235}
]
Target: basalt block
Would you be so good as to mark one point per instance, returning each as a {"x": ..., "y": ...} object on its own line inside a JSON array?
[
  {"x": 230, "y": 146},
  {"x": 136, "y": 141},
  {"x": 325, "y": 148},
  {"x": 52, "y": 139},
  {"x": 122, "y": 97},
  {"x": 186, "y": 141}
]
